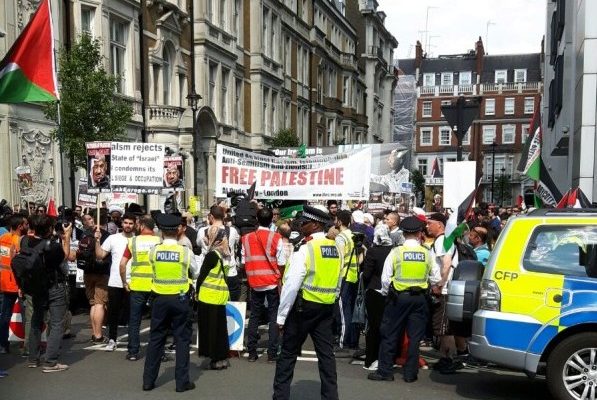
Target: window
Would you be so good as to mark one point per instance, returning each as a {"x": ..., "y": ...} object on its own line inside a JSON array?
[
  {"x": 345, "y": 91},
  {"x": 118, "y": 39},
  {"x": 265, "y": 43},
  {"x": 266, "y": 112},
  {"x": 428, "y": 79},
  {"x": 167, "y": 67},
  {"x": 222, "y": 17},
  {"x": 509, "y": 106},
  {"x": 238, "y": 101},
  {"x": 224, "y": 96},
  {"x": 287, "y": 118},
  {"x": 237, "y": 11},
  {"x": 467, "y": 138},
  {"x": 445, "y": 135},
  {"x": 508, "y": 134},
  {"x": 447, "y": 78},
  {"x": 426, "y": 136},
  {"x": 274, "y": 123},
  {"x": 213, "y": 71},
  {"x": 87, "y": 15},
  {"x": 488, "y": 134},
  {"x": 489, "y": 106},
  {"x": 520, "y": 75},
  {"x": 562, "y": 250},
  {"x": 427, "y": 109},
  {"x": 465, "y": 78},
  {"x": 273, "y": 44},
  {"x": 330, "y": 132},
  {"x": 501, "y": 76},
  {"x": 422, "y": 164},
  {"x": 529, "y": 105},
  {"x": 287, "y": 55}
]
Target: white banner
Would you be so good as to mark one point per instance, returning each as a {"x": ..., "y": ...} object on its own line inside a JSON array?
[
  {"x": 137, "y": 167},
  {"x": 235, "y": 317},
  {"x": 335, "y": 176}
]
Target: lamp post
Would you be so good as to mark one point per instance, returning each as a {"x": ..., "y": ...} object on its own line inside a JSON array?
[
  {"x": 193, "y": 99},
  {"x": 502, "y": 184},
  {"x": 492, "y": 167}
]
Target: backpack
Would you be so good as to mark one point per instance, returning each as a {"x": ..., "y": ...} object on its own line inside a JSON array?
[
  {"x": 465, "y": 251},
  {"x": 245, "y": 217},
  {"x": 86, "y": 259},
  {"x": 29, "y": 268}
]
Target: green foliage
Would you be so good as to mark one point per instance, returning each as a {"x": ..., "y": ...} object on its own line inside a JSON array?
[
  {"x": 89, "y": 109},
  {"x": 285, "y": 138},
  {"x": 503, "y": 190},
  {"x": 418, "y": 181}
]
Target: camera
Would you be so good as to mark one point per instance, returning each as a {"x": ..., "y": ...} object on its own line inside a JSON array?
[
  {"x": 66, "y": 217},
  {"x": 359, "y": 239}
]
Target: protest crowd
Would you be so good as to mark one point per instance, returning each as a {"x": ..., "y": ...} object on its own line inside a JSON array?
[{"x": 367, "y": 287}]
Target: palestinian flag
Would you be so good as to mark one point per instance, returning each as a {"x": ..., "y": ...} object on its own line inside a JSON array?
[
  {"x": 574, "y": 198},
  {"x": 546, "y": 191},
  {"x": 456, "y": 224},
  {"x": 28, "y": 71},
  {"x": 435, "y": 171}
]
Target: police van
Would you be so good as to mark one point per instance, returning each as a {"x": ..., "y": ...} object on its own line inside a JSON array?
[{"x": 535, "y": 308}]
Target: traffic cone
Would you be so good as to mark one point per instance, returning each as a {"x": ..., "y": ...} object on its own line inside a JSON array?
[{"x": 16, "y": 329}]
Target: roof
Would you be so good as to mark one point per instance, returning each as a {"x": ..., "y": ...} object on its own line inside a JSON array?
[
  {"x": 531, "y": 62},
  {"x": 407, "y": 66}
]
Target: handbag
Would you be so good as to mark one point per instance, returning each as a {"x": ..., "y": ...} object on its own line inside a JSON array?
[{"x": 359, "y": 314}]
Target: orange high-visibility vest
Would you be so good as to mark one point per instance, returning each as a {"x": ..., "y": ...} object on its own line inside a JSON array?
[
  {"x": 9, "y": 246},
  {"x": 261, "y": 264}
]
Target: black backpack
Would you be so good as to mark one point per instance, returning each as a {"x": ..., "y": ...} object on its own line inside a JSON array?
[
  {"x": 86, "y": 259},
  {"x": 29, "y": 268},
  {"x": 465, "y": 251},
  {"x": 245, "y": 218}
]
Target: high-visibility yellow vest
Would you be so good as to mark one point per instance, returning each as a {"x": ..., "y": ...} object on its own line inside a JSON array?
[
  {"x": 323, "y": 265},
  {"x": 411, "y": 267},
  {"x": 170, "y": 264},
  {"x": 214, "y": 289},
  {"x": 141, "y": 272},
  {"x": 352, "y": 263}
]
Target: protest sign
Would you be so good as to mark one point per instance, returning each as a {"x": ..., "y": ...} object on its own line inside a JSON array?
[
  {"x": 120, "y": 199},
  {"x": 98, "y": 167},
  {"x": 137, "y": 167},
  {"x": 341, "y": 176},
  {"x": 84, "y": 198},
  {"x": 387, "y": 169},
  {"x": 235, "y": 318},
  {"x": 173, "y": 174},
  {"x": 25, "y": 179}
]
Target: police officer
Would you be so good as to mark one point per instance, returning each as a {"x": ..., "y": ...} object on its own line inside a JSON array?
[
  {"x": 405, "y": 279},
  {"x": 311, "y": 284},
  {"x": 171, "y": 263}
]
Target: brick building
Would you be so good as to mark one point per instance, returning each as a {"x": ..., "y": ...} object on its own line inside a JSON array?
[{"x": 509, "y": 88}]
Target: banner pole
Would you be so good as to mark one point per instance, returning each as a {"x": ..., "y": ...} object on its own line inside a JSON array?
[{"x": 97, "y": 217}]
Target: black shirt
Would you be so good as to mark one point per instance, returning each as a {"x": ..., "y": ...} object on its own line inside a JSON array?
[{"x": 373, "y": 266}]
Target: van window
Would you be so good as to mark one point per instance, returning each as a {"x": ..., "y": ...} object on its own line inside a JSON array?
[{"x": 563, "y": 250}]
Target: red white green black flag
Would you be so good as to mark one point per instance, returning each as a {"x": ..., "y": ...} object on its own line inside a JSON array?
[{"x": 28, "y": 71}]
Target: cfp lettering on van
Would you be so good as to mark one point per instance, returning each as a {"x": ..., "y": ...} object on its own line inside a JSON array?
[
  {"x": 171, "y": 256},
  {"x": 413, "y": 256},
  {"x": 505, "y": 276},
  {"x": 329, "y": 252}
]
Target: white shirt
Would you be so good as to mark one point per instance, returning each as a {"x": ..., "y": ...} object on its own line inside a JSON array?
[
  {"x": 280, "y": 258},
  {"x": 388, "y": 268},
  {"x": 438, "y": 252},
  {"x": 115, "y": 244},
  {"x": 294, "y": 277},
  {"x": 193, "y": 268},
  {"x": 233, "y": 240}
]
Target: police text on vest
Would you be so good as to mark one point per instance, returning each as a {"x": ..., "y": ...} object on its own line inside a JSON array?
[
  {"x": 167, "y": 256},
  {"x": 413, "y": 256},
  {"x": 329, "y": 252}
]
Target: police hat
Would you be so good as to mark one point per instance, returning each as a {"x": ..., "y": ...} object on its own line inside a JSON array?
[
  {"x": 168, "y": 222},
  {"x": 411, "y": 224},
  {"x": 313, "y": 214}
]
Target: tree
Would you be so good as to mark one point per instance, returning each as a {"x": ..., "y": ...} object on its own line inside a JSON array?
[
  {"x": 285, "y": 138},
  {"x": 89, "y": 109},
  {"x": 418, "y": 181},
  {"x": 503, "y": 190}
]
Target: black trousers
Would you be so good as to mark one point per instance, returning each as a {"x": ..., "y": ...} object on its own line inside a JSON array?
[
  {"x": 315, "y": 320},
  {"x": 403, "y": 311},
  {"x": 115, "y": 306},
  {"x": 169, "y": 311},
  {"x": 257, "y": 309},
  {"x": 233, "y": 283},
  {"x": 375, "y": 303}
]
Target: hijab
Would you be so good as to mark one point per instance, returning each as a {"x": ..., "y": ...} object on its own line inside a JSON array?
[{"x": 381, "y": 236}]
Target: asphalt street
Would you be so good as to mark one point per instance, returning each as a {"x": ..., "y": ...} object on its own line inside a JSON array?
[{"x": 97, "y": 374}]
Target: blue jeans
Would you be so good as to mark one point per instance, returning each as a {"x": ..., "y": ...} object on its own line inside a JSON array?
[
  {"x": 8, "y": 302},
  {"x": 137, "y": 303},
  {"x": 56, "y": 304},
  {"x": 257, "y": 309}
]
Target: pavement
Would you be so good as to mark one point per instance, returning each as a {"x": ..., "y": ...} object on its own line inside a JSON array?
[{"x": 98, "y": 374}]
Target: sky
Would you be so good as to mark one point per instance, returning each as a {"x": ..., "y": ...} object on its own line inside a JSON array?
[{"x": 515, "y": 26}]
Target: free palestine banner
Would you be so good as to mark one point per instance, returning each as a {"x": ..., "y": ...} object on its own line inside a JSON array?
[{"x": 334, "y": 176}]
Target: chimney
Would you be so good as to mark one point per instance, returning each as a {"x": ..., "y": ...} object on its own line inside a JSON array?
[
  {"x": 418, "y": 55},
  {"x": 479, "y": 54}
]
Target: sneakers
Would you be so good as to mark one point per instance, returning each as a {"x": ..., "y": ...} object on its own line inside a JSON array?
[
  {"x": 111, "y": 346},
  {"x": 253, "y": 357},
  {"x": 54, "y": 368},
  {"x": 132, "y": 357},
  {"x": 33, "y": 364},
  {"x": 372, "y": 367},
  {"x": 98, "y": 340}
]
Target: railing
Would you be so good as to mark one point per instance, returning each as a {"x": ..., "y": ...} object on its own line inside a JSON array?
[
  {"x": 427, "y": 89},
  {"x": 511, "y": 86},
  {"x": 446, "y": 89},
  {"x": 372, "y": 50},
  {"x": 466, "y": 88},
  {"x": 165, "y": 112},
  {"x": 348, "y": 59}
]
